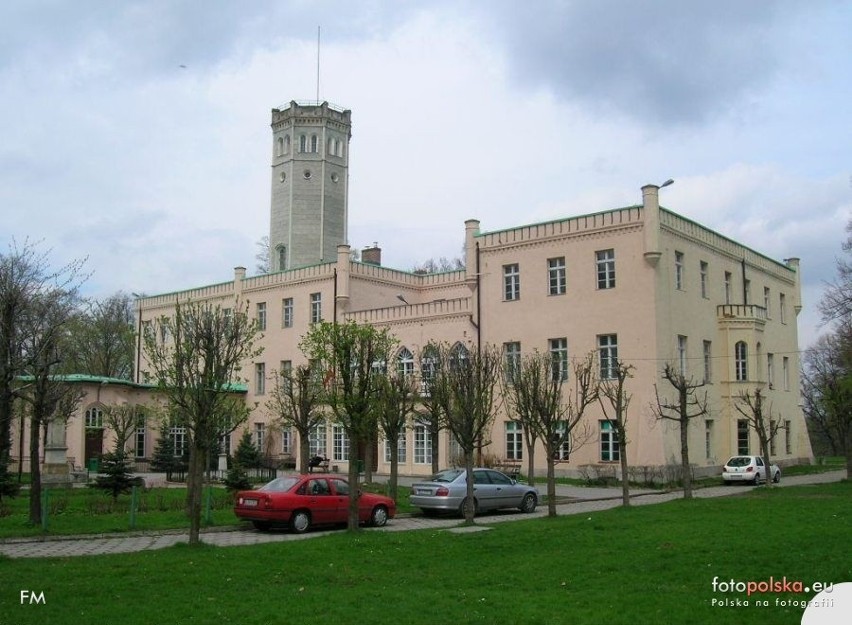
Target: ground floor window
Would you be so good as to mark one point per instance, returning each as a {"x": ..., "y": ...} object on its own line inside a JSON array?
[
  {"x": 609, "y": 443},
  {"x": 708, "y": 438},
  {"x": 561, "y": 442},
  {"x": 340, "y": 443},
  {"x": 422, "y": 445},
  {"x": 788, "y": 438},
  {"x": 742, "y": 437},
  {"x": 139, "y": 438},
  {"x": 317, "y": 441},
  {"x": 401, "y": 448},
  {"x": 286, "y": 441},
  {"x": 179, "y": 442},
  {"x": 514, "y": 441}
]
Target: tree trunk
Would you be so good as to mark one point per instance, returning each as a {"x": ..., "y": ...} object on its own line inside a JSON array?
[
  {"x": 622, "y": 453},
  {"x": 685, "y": 470},
  {"x": 551, "y": 486},
  {"x": 433, "y": 435},
  {"x": 394, "y": 469},
  {"x": 194, "y": 479},
  {"x": 530, "y": 460},
  {"x": 35, "y": 471},
  {"x": 470, "y": 499},
  {"x": 352, "y": 520},
  {"x": 368, "y": 458},
  {"x": 304, "y": 451}
]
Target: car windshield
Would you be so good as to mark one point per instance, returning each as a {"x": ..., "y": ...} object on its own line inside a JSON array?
[
  {"x": 739, "y": 461},
  {"x": 447, "y": 476},
  {"x": 280, "y": 484}
]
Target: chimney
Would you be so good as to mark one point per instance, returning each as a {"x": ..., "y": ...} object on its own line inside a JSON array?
[
  {"x": 239, "y": 277},
  {"x": 372, "y": 255},
  {"x": 651, "y": 226}
]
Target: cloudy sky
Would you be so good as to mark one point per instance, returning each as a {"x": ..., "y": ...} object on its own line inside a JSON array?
[{"x": 137, "y": 133}]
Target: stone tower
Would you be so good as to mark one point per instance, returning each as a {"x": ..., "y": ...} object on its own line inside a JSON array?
[{"x": 310, "y": 184}]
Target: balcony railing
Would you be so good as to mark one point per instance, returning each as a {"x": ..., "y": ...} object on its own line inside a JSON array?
[{"x": 741, "y": 311}]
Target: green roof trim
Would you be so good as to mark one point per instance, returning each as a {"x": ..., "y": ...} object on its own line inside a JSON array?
[
  {"x": 84, "y": 378},
  {"x": 554, "y": 221}
]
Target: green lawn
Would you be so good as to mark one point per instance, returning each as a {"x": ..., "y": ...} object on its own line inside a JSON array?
[{"x": 648, "y": 564}]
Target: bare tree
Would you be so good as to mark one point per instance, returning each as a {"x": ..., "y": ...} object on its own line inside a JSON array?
[
  {"x": 614, "y": 393},
  {"x": 395, "y": 403},
  {"x": 101, "y": 338},
  {"x": 431, "y": 416},
  {"x": 123, "y": 419},
  {"x": 264, "y": 261},
  {"x": 350, "y": 354},
  {"x": 751, "y": 405},
  {"x": 522, "y": 390},
  {"x": 465, "y": 385},
  {"x": 295, "y": 401},
  {"x": 439, "y": 265},
  {"x": 195, "y": 356},
  {"x": 687, "y": 405},
  {"x": 836, "y": 303}
]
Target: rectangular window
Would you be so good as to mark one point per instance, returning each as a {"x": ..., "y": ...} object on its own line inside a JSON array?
[
  {"x": 261, "y": 316},
  {"x": 511, "y": 282},
  {"x": 742, "y": 437},
  {"x": 287, "y": 312},
  {"x": 286, "y": 441},
  {"x": 727, "y": 287},
  {"x": 259, "y": 378},
  {"x": 679, "y": 271},
  {"x": 179, "y": 442},
  {"x": 225, "y": 443},
  {"x": 401, "y": 448},
  {"x": 260, "y": 436},
  {"x": 703, "y": 271},
  {"x": 782, "y": 307},
  {"x": 340, "y": 444},
  {"x": 562, "y": 448},
  {"x": 556, "y": 277},
  {"x": 285, "y": 368},
  {"x": 139, "y": 437},
  {"x": 316, "y": 307},
  {"x": 605, "y": 261},
  {"x": 681, "y": 354},
  {"x": 514, "y": 441},
  {"x": 747, "y": 292},
  {"x": 770, "y": 369},
  {"x": 741, "y": 361},
  {"x": 608, "y": 354},
  {"x": 788, "y": 438},
  {"x": 785, "y": 371},
  {"x": 511, "y": 361},
  {"x": 708, "y": 439},
  {"x": 766, "y": 301},
  {"x": 559, "y": 358},
  {"x": 317, "y": 441},
  {"x": 422, "y": 445},
  {"x": 708, "y": 362},
  {"x": 609, "y": 443}
]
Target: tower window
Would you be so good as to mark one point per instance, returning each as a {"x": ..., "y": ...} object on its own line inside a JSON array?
[
  {"x": 303, "y": 143},
  {"x": 307, "y": 174},
  {"x": 287, "y": 144},
  {"x": 282, "y": 257},
  {"x": 280, "y": 144},
  {"x": 334, "y": 177},
  {"x": 314, "y": 144}
]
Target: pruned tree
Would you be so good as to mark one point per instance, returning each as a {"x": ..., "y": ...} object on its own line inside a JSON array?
[
  {"x": 123, "y": 419},
  {"x": 686, "y": 406},
  {"x": 430, "y": 416},
  {"x": 194, "y": 368},
  {"x": 464, "y": 385},
  {"x": 752, "y": 406},
  {"x": 101, "y": 338},
  {"x": 262, "y": 257},
  {"x": 614, "y": 400},
  {"x": 395, "y": 400},
  {"x": 439, "y": 265},
  {"x": 836, "y": 302},
  {"x": 522, "y": 389},
  {"x": 296, "y": 401},
  {"x": 350, "y": 355}
]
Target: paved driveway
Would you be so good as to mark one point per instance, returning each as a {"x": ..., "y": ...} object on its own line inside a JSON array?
[{"x": 585, "y": 500}]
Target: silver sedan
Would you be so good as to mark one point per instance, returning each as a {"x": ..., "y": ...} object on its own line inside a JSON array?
[{"x": 446, "y": 492}]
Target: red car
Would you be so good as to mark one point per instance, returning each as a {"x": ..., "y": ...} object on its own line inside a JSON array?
[{"x": 301, "y": 501}]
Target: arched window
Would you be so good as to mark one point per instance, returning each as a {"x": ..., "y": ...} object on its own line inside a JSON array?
[
  {"x": 314, "y": 143},
  {"x": 741, "y": 361},
  {"x": 331, "y": 146},
  {"x": 94, "y": 417},
  {"x": 280, "y": 144},
  {"x": 303, "y": 143},
  {"x": 458, "y": 355},
  {"x": 282, "y": 257},
  {"x": 429, "y": 363},
  {"x": 405, "y": 362},
  {"x": 287, "y": 144}
]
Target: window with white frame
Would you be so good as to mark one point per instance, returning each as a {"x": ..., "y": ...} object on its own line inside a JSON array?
[
  {"x": 608, "y": 355},
  {"x": 94, "y": 418},
  {"x": 562, "y": 442},
  {"x": 428, "y": 364},
  {"x": 559, "y": 358},
  {"x": 261, "y": 316},
  {"x": 708, "y": 362},
  {"x": 514, "y": 441},
  {"x": 317, "y": 441},
  {"x": 511, "y": 282},
  {"x": 287, "y": 441},
  {"x": 742, "y": 437},
  {"x": 703, "y": 271},
  {"x": 139, "y": 436},
  {"x": 287, "y": 312},
  {"x": 605, "y": 262},
  {"x": 225, "y": 443},
  {"x": 340, "y": 444},
  {"x": 679, "y": 271},
  {"x": 259, "y": 378},
  {"x": 405, "y": 362},
  {"x": 260, "y": 436},
  {"x": 511, "y": 361},
  {"x": 456, "y": 457},
  {"x": 556, "y": 276},
  {"x": 708, "y": 439},
  {"x": 785, "y": 371},
  {"x": 727, "y": 287},
  {"x": 179, "y": 441},
  {"x": 316, "y": 307},
  {"x": 422, "y": 445},
  {"x": 741, "y": 361},
  {"x": 609, "y": 442},
  {"x": 401, "y": 448},
  {"x": 681, "y": 354}
]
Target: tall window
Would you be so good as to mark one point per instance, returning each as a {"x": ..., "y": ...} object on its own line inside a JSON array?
[
  {"x": 770, "y": 369},
  {"x": 785, "y": 366},
  {"x": 708, "y": 362},
  {"x": 788, "y": 438},
  {"x": 286, "y": 144},
  {"x": 422, "y": 445},
  {"x": 747, "y": 291},
  {"x": 766, "y": 301},
  {"x": 511, "y": 282},
  {"x": 94, "y": 418},
  {"x": 280, "y": 144},
  {"x": 605, "y": 260},
  {"x": 782, "y": 307},
  {"x": 727, "y": 287},
  {"x": 703, "y": 273},
  {"x": 742, "y": 437},
  {"x": 563, "y": 449},
  {"x": 261, "y": 316},
  {"x": 679, "y": 271},
  {"x": 608, "y": 354},
  {"x": 286, "y": 441},
  {"x": 260, "y": 436},
  {"x": 287, "y": 312},
  {"x": 139, "y": 436},
  {"x": 556, "y": 275},
  {"x": 405, "y": 362},
  {"x": 314, "y": 144},
  {"x": 428, "y": 364},
  {"x": 401, "y": 448},
  {"x": 681, "y": 354},
  {"x": 708, "y": 438},
  {"x": 317, "y": 441},
  {"x": 259, "y": 378},
  {"x": 741, "y": 361},
  {"x": 303, "y": 143},
  {"x": 512, "y": 361},
  {"x": 559, "y": 358},
  {"x": 282, "y": 257},
  {"x": 609, "y": 443},
  {"x": 514, "y": 441},
  {"x": 316, "y": 307},
  {"x": 179, "y": 441},
  {"x": 340, "y": 444}
]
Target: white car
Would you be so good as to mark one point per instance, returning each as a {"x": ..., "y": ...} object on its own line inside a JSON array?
[{"x": 748, "y": 469}]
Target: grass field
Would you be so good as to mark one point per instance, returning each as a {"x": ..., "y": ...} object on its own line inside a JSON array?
[{"x": 649, "y": 564}]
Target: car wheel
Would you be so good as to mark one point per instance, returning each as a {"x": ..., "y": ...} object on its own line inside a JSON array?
[
  {"x": 261, "y": 525},
  {"x": 379, "y": 517},
  {"x": 464, "y": 503},
  {"x": 300, "y": 521},
  {"x": 528, "y": 503},
  {"x": 777, "y": 477}
]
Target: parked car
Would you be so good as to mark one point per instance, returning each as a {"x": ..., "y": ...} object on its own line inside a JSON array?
[
  {"x": 302, "y": 501},
  {"x": 446, "y": 492},
  {"x": 748, "y": 469}
]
